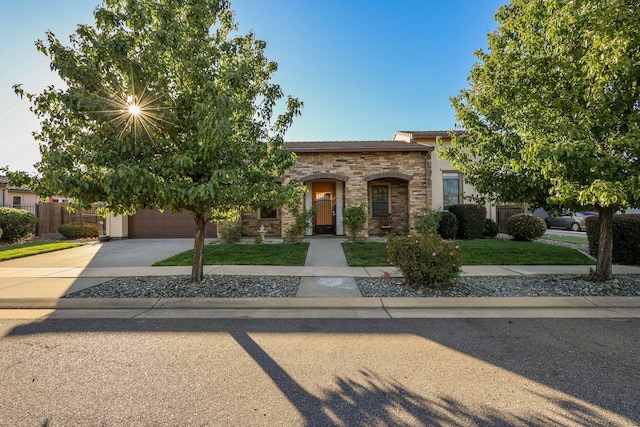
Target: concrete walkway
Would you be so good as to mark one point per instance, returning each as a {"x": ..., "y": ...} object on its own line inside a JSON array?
[
  {"x": 31, "y": 288},
  {"x": 327, "y": 252}
]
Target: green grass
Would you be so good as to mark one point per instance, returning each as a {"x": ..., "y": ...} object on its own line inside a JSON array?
[
  {"x": 568, "y": 239},
  {"x": 245, "y": 254},
  {"x": 509, "y": 252},
  {"x": 477, "y": 252},
  {"x": 365, "y": 254},
  {"x": 27, "y": 249}
]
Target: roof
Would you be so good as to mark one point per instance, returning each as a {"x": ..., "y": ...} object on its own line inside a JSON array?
[
  {"x": 425, "y": 134},
  {"x": 4, "y": 183},
  {"x": 354, "y": 146}
]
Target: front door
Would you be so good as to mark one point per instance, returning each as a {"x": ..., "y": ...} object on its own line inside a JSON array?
[{"x": 324, "y": 196}]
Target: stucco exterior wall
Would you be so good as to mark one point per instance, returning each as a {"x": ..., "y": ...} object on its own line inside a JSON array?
[{"x": 439, "y": 166}]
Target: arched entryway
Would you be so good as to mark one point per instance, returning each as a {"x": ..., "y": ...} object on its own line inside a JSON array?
[
  {"x": 388, "y": 196},
  {"x": 325, "y": 193}
]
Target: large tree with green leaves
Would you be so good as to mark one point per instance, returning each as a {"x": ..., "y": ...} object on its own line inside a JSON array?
[
  {"x": 165, "y": 106},
  {"x": 553, "y": 109}
]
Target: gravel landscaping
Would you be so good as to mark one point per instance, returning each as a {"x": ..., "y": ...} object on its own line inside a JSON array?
[
  {"x": 218, "y": 286},
  {"x": 286, "y": 286}
]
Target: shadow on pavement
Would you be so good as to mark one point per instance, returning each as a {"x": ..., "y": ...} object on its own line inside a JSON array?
[{"x": 582, "y": 371}]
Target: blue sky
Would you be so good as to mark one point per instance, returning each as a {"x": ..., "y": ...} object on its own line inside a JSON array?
[{"x": 363, "y": 68}]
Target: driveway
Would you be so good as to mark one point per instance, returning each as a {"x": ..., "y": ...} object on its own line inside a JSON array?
[{"x": 117, "y": 253}]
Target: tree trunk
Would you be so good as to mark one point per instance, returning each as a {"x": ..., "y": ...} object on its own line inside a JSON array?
[
  {"x": 198, "y": 248},
  {"x": 604, "y": 270}
]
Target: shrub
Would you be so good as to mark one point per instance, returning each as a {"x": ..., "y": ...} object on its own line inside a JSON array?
[
  {"x": 428, "y": 222},
  {"x": 425, "y": 261},
  {"x": 304, "y": 220},
  {"x": 230, "y": 231},
  {"x": 448, "y": 226},
  {"x": 0, "y": 233},
  {"x": 626, "y": 235},
  {"x": 354, "y": 218},
  {"x": 491, "y": 229},
  {"x": 78, "y": 230},
  {"x": 470, "y": 220},
  {"x": 526, "y": 227},
  {"x": 17, "y": 223}
]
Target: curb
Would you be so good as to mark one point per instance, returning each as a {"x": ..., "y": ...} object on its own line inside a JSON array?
[{"x": 320, "y": 303}]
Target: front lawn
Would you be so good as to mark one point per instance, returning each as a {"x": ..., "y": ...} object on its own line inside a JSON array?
[
  {"x": 477, "y": 252},
  {"x": 569, "y": 239},
  {"x": 21, "y": 250},
  {"x": 293, "y": 254}
]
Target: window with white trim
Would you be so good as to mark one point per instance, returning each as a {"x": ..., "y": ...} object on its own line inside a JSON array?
[{"x": 16, "y": 201}]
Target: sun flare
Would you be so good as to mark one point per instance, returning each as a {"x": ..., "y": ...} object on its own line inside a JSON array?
[
  {"x": 134, "y": 109},
  {"x": 139, "y": 112}
]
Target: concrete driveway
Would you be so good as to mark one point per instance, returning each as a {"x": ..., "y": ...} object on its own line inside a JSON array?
[{"x": 117, "y": 253}]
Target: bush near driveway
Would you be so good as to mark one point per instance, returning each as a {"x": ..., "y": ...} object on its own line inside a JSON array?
[
  {"x": 626, "y": 238},
  {"x": 17, "y": 223},
  {"x": 526, "y": 227},
  {"x": 78, "y": 230}
]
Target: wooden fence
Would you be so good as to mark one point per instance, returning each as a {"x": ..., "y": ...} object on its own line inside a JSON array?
[
  {"x": 503, "y": 213},
  {"x": 53, "y": 215}
]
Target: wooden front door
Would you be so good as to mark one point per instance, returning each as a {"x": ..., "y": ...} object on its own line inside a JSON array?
[{"x": 324, "y": 196}]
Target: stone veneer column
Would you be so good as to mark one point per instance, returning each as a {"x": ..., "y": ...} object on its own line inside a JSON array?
[
  {"x": 339, "y": 207},
  {"x": 355, "y": 193},
  {"x": 308, "y": 205}
]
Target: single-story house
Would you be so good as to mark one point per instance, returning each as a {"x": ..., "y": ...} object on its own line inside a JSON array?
[
  {"x": 20, "y": 198},
  {"x": 396, "y": 179}
]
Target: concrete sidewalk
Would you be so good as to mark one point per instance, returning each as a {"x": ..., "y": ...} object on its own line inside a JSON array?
[{"x": 31, "y": 288}]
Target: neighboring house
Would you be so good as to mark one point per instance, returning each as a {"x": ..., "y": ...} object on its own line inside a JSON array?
[
  {"x": 397, "y": 178},
  {"x": 20, "y": 198}
]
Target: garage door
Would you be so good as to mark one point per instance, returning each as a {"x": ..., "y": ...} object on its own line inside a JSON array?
[{"x": 153, "y": 224}]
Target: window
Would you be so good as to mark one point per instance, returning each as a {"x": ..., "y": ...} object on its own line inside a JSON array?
[
  {"x": 17, "y": 201},
  {"x": 268, "y": 213},
  {"x": 379, "y": 200},
  {"x": 451, "y": 189}
]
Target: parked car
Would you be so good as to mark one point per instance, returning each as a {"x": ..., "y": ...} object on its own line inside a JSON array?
[{"x": 574, "y": 221}]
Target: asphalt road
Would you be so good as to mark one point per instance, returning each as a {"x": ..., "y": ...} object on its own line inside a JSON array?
[{"x": 313, "y": 372}]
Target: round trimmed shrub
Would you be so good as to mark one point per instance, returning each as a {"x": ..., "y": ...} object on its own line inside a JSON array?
[
  {"x": 425, "y": 261},
  {"x": 78, "y": 230},
  {"x": 17, "y": 223},
  {"x": 491, "y": 229},
  {"x": 526, "y": 227},
  {"x": 448, "y": 226}
]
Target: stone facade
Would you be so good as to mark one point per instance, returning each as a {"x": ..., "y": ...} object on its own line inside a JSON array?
[
  {"x": 406, "y": 172},
  {"x": 251, "y": 223}
]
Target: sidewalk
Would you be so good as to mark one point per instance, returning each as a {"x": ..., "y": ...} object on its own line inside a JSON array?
[{"x": 31, "y": 288}]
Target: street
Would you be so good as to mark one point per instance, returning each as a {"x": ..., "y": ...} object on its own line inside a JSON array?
[{"x": 316, "y": 372}]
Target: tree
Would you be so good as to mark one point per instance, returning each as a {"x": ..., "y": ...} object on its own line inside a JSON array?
[
  {"x": 167, "y": 107},
  {"x": 553, "y": 109}
]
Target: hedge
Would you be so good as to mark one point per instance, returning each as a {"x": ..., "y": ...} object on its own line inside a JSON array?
[
  {"x": 17, "y": 223},
  {"x": 471, "y": 220},
  {"x": 626, "y": 235},
  {"x": 78, "y": 230}
]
